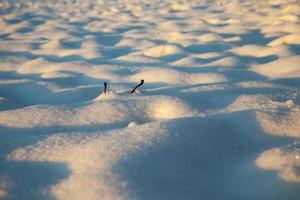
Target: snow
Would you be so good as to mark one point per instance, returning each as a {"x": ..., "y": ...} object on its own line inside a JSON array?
[
  {"x": 218, "y": 116},
  {"x": 285, "y": 124},
  {"x": 5, "y": 184},
  {"x": 287, "y": 67},
  {"x": 284, "y": 160},
  {"x": 291, "y": 9},
  {"x": 162, "y": 50},
  {"x": 288, "y": 39},
  {"x": 170, "y": 76},
  {"x": 109, "y": 111},
  {"x": 261, "y": 51},
  {"x": 91, "y": 159}
]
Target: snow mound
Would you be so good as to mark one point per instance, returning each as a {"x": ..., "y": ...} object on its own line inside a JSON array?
[
  {"x": 168, "y": 109},
  {"x": 162, "y": 50},
  {"x": 209, "y": 37},
  {"x": 91, "y": 159},
  {"x": 34, "y": 66},
  {"x": 179, "y": 7},
  {"x": 107, "y": 95},
  {"x": 106, "y": 111},
  {"x": 85, "y": 53},
  {"x": 285, "y": 40},
  {"x": 195, "y": 61},
  {"x": 57, "y": 74},
  {"x": 134, "y": 57},
  {"x": 188, "y": 61},
  {"x": 173, "y": 36},
  {"x": 5, "y": 185},
  {"x": 90, "y": 42},
  {"x": 249, "y": 102},
  {"x": 286, "y": 161},
  {"x": 224, "y": 62},
  {"x": 53, "y": 44},
  {"x": 235, "y": 7},
  {"x": 14, "y": 81},
  {"x": 10, "y": 63},
  {"x": 283, "y": 121},
  {"x": 260, "y": 51},
  {"x": 199, "y": 61},
  {"x": 234, "y": 29},
  {"x": 99, "y": 25},
  {"x": 13, "y": 28},
  {"x": 42, "y": 66},
  {"x": 209, "y": 55},
  {"x": 291, "y": 9},
  {"x": 290, "y": 18},
  {"x": 170, "y": 76},
  {"x": 292, "y": 28},
  {"x": 15, "y": 46},
  {"x": 282, "y": 68}
]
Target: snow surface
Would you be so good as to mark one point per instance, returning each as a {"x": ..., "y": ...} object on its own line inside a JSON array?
[{"x": 218, "y": 116}]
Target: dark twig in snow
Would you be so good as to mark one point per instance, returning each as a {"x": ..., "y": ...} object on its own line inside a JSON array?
[
  {"x": 105, "y": 87},
  {"x": 142, "y": 82}
]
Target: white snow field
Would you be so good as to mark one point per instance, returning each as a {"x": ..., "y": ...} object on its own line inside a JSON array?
[{"x": 217, "y": 118}]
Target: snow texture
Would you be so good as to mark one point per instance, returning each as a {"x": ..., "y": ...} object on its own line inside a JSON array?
[{"x": 218, "y": 116}]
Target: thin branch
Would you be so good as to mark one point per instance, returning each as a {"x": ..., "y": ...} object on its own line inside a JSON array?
[{"x": 142, "y": 82}]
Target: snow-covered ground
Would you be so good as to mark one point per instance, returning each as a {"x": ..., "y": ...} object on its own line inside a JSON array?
[{"x": 218, "y": 116}]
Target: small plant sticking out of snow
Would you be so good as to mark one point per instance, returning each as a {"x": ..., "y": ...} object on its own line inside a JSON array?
[
  {"x": 105, "y": 94},
  {"x": 142, "y": 82},
  {"x": 105, "y": 87}
]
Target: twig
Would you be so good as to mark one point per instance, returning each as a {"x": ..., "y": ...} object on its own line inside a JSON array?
[
  {"x": 142, "y": 82},
  {"x": 105, "y": 87}
]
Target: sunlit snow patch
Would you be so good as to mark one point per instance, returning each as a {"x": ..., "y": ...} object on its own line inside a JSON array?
[
  {"x": 102, "y": 111},
  {"x": 287, "y": 67},
  {"x": 91, "y": 159},
  {"x": 162, "y": 50},
  {"x": 284, "y": 121},
  {"x": 286, "y": 161}
]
